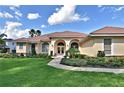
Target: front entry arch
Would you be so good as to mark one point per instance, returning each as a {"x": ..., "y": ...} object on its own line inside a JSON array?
[{"x": 60, "y": 47}]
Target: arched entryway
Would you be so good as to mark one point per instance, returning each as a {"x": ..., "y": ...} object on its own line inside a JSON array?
[
  {"x": 60, "y": 47},
  {"x": 74, "y": 44}
]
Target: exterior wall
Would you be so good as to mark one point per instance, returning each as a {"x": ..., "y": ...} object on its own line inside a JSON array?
[
  {"x": 95, "y": 44},
  {"x": 118, "y": 46},
  {"x": 89, "y": 47},
  {"x": 67, "y": 43},
  {"x": 25, "y": 50},
  {"x": 11, "y": 44},
  {"x": 92, "y": 46},
  {"x": 38, "y": 47}
]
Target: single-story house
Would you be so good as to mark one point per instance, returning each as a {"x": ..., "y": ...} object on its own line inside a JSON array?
[{"x": 107, "y": 39}]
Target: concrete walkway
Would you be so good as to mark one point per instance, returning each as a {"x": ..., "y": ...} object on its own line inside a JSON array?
[{"x": 56, "y": 63}]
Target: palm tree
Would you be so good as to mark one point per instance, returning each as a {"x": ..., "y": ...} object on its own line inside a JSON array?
[
  {"x": 38, "y": 33},
  {"x": 32, "y": 32}
]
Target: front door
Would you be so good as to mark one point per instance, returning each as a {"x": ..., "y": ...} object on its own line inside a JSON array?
[{"x": 60, "y": 50}]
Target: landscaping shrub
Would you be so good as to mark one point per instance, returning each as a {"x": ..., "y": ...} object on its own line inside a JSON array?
[
  {"x": 108, "y": 62},
  {"x": 101, "y": 54},
  {"x": 3, "y": 50},
  {"x": 42, "y": 56},
  {"x": 73, "y": 52},
  {"x": 3, "y": 55}
]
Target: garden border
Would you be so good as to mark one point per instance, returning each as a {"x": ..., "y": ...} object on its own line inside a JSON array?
[{"x": 56, "y": 63}]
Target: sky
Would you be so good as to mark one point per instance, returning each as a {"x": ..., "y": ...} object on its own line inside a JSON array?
[{"x": 17, "y": 20}]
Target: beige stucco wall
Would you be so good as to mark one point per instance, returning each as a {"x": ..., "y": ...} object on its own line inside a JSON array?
[
  {"x": 91, "y": 46},
  {"x": 67, "y": 43},
  {"x": 118, "y": 46},
  {"x": 95, "y": 44},
  {"x": 26, "y": 48}
]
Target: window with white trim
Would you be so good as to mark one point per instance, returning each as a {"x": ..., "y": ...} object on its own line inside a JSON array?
[
  {"x": 45, "y": 47},
  {"x": 107, "y": 46},
  {"x": 20, "y": 45}
]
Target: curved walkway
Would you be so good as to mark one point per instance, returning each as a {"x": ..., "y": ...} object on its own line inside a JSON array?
[{"x": 56, "y": 63}]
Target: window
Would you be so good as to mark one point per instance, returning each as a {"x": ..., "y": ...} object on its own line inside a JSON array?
[
  {"x": 13, "y": 43},
  {"x": 45, "y": 47},
  {"x": 107, "y": 46},
  {"x": 60, "y": 44},
  {"x": 20, "y": 45},
  {"x": 74, "y": 45}
]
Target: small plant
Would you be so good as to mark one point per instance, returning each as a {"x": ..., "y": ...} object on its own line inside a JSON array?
[
  {"x": 73, "y": 52},
  {"x": 101, "y": 54}
]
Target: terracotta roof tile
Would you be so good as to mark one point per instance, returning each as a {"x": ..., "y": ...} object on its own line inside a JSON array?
[
  {"x": 47, "y": 37},
  {"x": 109, "y": 30},
  {"x": 67, "y": 34},
  {"x": 22, "y": 40}
]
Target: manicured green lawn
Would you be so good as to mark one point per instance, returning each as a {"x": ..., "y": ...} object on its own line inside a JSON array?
[{"x": 35, "y": 72}]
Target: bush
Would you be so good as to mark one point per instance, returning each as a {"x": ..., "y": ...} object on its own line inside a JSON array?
[
  {"x": 42, "y": 56},
  {"x": 74, "y": 62},
  {"x": 3, "y": 50},
  {"x": 73, "y": 52},
  {"x": 108, "y": 62},
  {"x": 3, "y": 55},
  {"x": 101, "y": 54}
]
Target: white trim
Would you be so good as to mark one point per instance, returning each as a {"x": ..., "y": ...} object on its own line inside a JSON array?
[
  {"x": 103, "y": 44},
  {"x": 106, "y": 35},
  {"x": 112, "y": 47},
  {"x": 112, "y": 53}
]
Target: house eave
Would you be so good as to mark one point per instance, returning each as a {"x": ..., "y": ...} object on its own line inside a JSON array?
[{"x": 106, "y": 35}]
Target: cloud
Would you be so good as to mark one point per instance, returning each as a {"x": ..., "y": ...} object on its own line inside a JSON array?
[
  {"x": 16, "y": 11},
  {"x": 33, "y": 16},
  {"x": 119, "y": 8},
  {"x": 57, "y": 9},
  {"x": 65, "y": 14},
  {"x": 85, "y": 19},
  {"x": 5, "y": 15},
  {"x": 99, "y": 6},
  {"x": 12, "y": 29},
  {"x": 43, "y": 26}
]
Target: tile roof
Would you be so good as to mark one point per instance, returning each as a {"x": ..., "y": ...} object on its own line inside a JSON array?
[
  {"x": 67, "y": 34},
  {"x": 22, "y": 40},
  {"x": 47, "y": 37},
  {"x": 109, "y": 30}
]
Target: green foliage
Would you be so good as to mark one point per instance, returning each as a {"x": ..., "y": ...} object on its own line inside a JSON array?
[
  {"x": 33, "y": 51},
  {"x": 33, "y": 32},
  {"x": 34, "y": 72},
  {"x": 42, "y": 56},
  {"x": 38, "y": 32},
  {"x": 3, "y": 55},
  {"x": 73, "y": 52},
  {"x": 3, "y": 50},
  {"x": 101, "y": 54},
  {"x": 107, "y": 62},
  {"x": 2, "y": 41}
]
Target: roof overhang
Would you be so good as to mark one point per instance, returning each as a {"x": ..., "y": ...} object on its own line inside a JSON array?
[{"x": 106, "y": 35}]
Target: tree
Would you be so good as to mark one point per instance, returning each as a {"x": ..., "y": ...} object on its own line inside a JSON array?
[
  {"x": 38, "y": 32},
  {"x": 2, "y": 43},
  {"x": 1, "y": 38},
  {"x": 34, "y": 33}
]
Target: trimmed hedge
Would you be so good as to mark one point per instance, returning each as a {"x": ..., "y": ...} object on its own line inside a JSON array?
[
  {"x": 112, "y": 62},
  {"x": 4, "y": 55}
]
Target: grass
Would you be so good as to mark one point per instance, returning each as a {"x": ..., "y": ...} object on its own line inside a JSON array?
[{"x": 34, "y": 72}]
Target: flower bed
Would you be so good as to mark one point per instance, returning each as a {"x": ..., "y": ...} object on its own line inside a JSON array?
[{"x": 107, "y": 62}]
